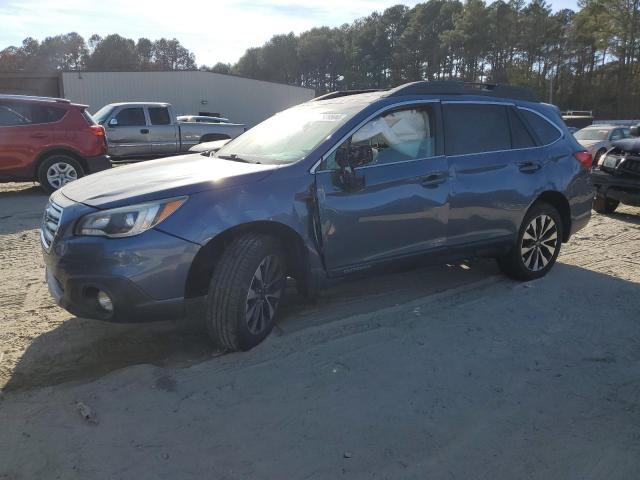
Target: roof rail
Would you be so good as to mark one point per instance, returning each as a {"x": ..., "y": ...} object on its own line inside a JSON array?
[
  {"x": 34, "y": 97},
  {"x": 344, "y": 93},
  {"x": 452, "y": 87}
]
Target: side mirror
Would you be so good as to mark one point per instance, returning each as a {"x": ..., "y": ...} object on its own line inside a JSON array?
[
  {"x": 635, "y": 131},
  {"x": 113, "y": 122}
]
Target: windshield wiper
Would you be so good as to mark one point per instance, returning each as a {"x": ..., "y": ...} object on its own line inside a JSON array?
[{"x": 235, "y": 158}]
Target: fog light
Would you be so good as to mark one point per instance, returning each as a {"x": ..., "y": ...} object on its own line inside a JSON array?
[{"x": 105, "y": 301}]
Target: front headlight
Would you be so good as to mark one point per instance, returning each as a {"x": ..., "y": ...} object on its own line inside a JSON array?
[{"x": 127, "y": 221}]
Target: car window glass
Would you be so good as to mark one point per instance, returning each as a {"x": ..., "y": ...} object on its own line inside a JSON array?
[
  {"x": 131, "y": 117},
  {"x": 159, "y": 116},
  {"x": 616, "y": 134},
  {"x": 396, "y": 136},
  {"x": 544, "y": 130},
  {"x": 46, "y": 114},
  {"x": 475, "y": 128},
  {"x": 10, "y": 117},
  {"x": 626, "y": 133},
  {"x": 520, "y": 136}
]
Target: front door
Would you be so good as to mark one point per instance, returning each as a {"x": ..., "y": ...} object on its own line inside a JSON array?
[
  {"x": 393, "y": 199},
  {"x": 128, "y": 133},
  {"x": 163, "y": 133}
]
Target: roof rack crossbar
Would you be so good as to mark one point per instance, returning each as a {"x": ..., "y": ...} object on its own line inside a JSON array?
[
  {"x": 452, "y": 87},
  {"x": 344, "y": 93}
]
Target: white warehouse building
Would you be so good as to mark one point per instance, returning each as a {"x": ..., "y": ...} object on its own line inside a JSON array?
[{"x": 242, "y": 100}]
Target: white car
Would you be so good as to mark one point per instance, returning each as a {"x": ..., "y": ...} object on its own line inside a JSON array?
[{"x": 597, "y": 138}]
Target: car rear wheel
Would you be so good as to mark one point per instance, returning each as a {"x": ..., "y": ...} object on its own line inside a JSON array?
[
  {"x": 537, "y": 246},
  {"x": 602, "y": 204},
  {"x": 58, "y": 170},
  {"x": 245, "y": 291}
]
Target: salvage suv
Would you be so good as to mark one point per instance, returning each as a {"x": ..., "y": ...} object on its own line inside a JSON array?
[
  {"x": 48, "y": 140},
  {"x": 347, "y": 184}
]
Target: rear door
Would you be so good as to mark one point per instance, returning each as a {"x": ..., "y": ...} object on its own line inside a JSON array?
[
  {"x": 129, "y": 135},
  {"x": 162, "y": 131},
  {"x": 494, "y": 165}
]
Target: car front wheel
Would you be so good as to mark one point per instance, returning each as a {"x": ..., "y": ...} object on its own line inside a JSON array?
[
  {"x": 245, "y": 291},
  {"x": 602, "y": 204},
  {"x": 537, "y": 246}
]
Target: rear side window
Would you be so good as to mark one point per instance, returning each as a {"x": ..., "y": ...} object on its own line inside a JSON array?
[
  {"x": 542, "y": 128},
  {"x": 520, "y": 136},
  {"x": 159, "y": 116},
  {"x": 131, "y": 117},
  {"x": 475, "y": 128},
  {"x": 21, "y": 113}
]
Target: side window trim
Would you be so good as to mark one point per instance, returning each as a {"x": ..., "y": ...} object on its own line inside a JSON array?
[
  {"x": 546, "y": 120},
  {"x": 438, "y": 124}
]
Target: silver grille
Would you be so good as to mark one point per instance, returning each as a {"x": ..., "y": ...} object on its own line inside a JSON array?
[{"x": 50, "y": 224}]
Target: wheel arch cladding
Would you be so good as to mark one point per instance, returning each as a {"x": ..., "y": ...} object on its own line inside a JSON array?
[
  {"x": 206, "y": 259},
  {"x": 560, "y": 202}
]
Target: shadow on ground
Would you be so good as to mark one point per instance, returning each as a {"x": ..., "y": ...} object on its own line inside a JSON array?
[{"x": 81, "y": 349}]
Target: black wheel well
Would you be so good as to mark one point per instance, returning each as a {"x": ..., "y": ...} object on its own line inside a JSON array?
[
  {"x": 59, "y": 151},
  {"x": 560, "y": 202},
  {"x": 212, "y": 137},
  {"x": 208, "y": 256}
]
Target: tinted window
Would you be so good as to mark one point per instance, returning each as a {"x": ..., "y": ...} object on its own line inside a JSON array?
[
  {"x": 159, "y": 116},
  {"x": 131, "y": 117},
  {"x": 396, "y": 136},
  {"x": 545, "y": 132},
  {"x": 470, "y": 128},
  {"x": 626, "y": 133},
  {"x": 22, "y": 113},
  {"x": 520, "y": 136},
  {"x": 616, "y": 134}
]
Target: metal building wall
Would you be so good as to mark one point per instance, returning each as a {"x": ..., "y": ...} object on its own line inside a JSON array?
[{"x": 242, "y": 100}]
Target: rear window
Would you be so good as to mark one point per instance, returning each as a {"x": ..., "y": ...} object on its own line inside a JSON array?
[
  {"x": 543, "y": 129},
  {"x": 23, "y": 113},
  {"x": 159, "y": 116},
  {"x": 475, "y": 128}
]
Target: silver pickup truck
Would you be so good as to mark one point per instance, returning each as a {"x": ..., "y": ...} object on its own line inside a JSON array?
[{"x": 145, "y": 129}]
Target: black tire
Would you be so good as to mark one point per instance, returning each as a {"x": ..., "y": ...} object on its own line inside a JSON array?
[
  {"x": 602, "y": 204},
  {"x": 69, "y": 169},
  {"x": 229, "y": 321},
  {"x": 596, "y": 157},
  {"x": 526, "y": 260}
]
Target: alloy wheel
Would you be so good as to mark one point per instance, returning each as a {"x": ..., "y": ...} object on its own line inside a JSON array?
[
  {"x": 60, "y": 173},
  {"x": 539, "y": 242},
  {"x": 264, "y": 294}
]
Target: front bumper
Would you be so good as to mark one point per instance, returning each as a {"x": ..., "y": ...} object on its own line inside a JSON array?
[
  {"x": 624, "y": 189},
  {"x": 145, "y": 276},
  {"x": 98, "y": 163}
]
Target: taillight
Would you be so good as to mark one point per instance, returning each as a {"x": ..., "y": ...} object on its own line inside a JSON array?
[
  {"x": 97, "y": 130},
  {"x": 584, "y": 158}
]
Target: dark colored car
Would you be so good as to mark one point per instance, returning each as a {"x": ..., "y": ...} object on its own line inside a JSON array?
[
  {"x": 348, "y": 184},
  {"x": 48, "y": 140},
  {"x": 617, "y": 176}
]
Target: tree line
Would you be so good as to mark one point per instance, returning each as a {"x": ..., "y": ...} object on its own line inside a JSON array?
[{"x": 585, "y": 59}]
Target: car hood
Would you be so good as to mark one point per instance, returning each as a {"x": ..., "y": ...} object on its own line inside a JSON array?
[
  {"x": 164, "y": 178},
  {"x": 628, "y": 145}
]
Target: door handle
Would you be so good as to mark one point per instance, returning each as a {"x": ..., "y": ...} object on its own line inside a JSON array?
[
  {"x": 529, "y": 167},
  {"x": 433, "y": 179},
  {"x": 144, "y": 130}
]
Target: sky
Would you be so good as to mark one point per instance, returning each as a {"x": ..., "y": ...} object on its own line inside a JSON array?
[{"x": 215, "y": 30}]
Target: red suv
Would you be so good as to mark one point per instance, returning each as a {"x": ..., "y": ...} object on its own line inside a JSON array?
[{"x": 48, "y": 140}]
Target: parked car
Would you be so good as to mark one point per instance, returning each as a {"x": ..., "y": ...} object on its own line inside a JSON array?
[
  {"x": 201, "y": 119},
  {"x": 597, "y": 138},
  {"x": 144, "y": 130},
  {"x": 209, "y": 147},
  {"x": 347, "y": 184},
  {"x": 617, "y": 176},
  {"x": 48, "y": 140}
]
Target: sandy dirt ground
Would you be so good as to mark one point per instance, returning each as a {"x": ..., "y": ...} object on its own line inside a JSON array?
[{"x": 445, "y": 372}]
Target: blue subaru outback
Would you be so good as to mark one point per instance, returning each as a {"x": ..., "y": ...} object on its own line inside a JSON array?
[{"x": 349, "y": 183}]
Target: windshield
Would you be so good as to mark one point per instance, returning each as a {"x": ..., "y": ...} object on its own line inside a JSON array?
[
  {"x": 101, "y": 115},
  {"x": 290, "y": 135},
  {"x": 592, "y": 134}
]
